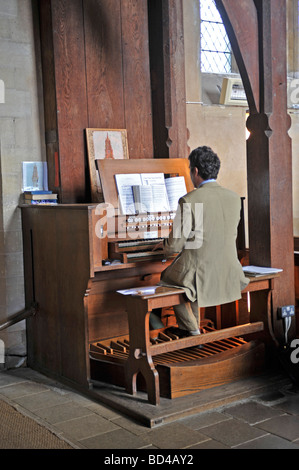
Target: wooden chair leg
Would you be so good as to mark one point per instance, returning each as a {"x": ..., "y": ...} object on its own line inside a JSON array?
[
  {"x": 145, "y": 366},
  {"x": 152, "y": 382}
]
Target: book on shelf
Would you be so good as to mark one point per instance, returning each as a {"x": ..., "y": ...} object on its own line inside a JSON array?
[
  {"x": 149, "y": 192},
  {"x": 39, "y": 195},
  {"x": 38, "y": 192},
  {"x": 41, "y": 201}
]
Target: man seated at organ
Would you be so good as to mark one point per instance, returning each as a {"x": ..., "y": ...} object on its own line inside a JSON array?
[{"x": 204, "y": 236}]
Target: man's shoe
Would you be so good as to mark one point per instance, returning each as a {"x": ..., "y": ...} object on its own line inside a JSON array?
[
  {"x": 194, "y": 333},
  {"x": 176, "y": 331}
]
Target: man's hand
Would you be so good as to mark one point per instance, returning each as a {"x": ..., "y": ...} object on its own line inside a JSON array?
[{"x": 159, "y": 246}]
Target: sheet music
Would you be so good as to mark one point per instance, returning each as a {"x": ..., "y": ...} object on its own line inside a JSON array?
[
  {"x": 160, "y": 198},
  {"x": 155, "y": 200},
  {"x": 149, "y": 192},
  {"x": 124, "y": 185},
  {"x": 152, "y": 178},
  {"x": 151, "y": 198},
  {"x": 176, "y": 188}
]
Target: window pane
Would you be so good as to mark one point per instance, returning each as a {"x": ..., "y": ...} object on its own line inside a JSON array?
[
  {"x": 208, "y": 11},
  {"x": 214, "y": 38},
  {"x": 213, "y": 62},
  {"x": 215, "y": 46}
]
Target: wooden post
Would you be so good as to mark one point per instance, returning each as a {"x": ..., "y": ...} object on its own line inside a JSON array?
[
  {"x": 167, "y": 58},
  {"x": 269, "y": 160}
]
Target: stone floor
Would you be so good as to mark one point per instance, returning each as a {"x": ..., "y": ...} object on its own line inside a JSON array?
[{"x": 269, "y": 421}]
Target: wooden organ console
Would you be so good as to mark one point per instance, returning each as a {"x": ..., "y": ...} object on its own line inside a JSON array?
[{"x": 76, "y": 258}]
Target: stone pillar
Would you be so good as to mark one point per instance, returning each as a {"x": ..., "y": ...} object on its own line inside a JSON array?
[{"x": 20, "y": 141}]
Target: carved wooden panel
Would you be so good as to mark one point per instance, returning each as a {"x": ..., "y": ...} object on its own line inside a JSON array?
[{"x": 96, "y": 74}]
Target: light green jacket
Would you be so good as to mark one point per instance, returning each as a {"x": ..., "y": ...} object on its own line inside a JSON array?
[{"x": 207, "y": 265}]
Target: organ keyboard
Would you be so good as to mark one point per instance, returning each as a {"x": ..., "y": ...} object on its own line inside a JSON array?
[{"x": 129, "y": 251}]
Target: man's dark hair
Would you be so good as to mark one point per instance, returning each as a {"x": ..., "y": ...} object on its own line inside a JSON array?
[{"x": 206, "y": 161}]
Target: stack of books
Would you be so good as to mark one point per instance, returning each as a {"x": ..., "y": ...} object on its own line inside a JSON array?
[{"x": 40, "y": 197}]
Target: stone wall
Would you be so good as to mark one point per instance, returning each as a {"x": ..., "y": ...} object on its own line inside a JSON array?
[{"x": 19, "y": 141}]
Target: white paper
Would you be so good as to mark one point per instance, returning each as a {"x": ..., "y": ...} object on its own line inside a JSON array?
[
  {"x": 155, "y": 194},
  {"x": 151, "y": 198},
  {"x": 260, "y": 271},
  {"x": 160, "y": 198},
  {"x": 176, "y": 188},
  {"x": 143, "y": 198},
  {"x": 152, "y": 178},
  {"x": 124, "y": 185},
  {"x": 138, "y": 291}
]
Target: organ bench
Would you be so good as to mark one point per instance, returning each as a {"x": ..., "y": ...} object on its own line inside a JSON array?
[{"x": 140, "y": 304}]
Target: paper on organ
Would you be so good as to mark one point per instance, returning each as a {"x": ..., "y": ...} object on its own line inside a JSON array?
[
  {"x": 260, "y": 270},
  {"x": 149, "y": 192},
  {"x": 135, "y": 291}
]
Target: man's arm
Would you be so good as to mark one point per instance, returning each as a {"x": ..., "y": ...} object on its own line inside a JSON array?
[{"x": 181, "y": 229}]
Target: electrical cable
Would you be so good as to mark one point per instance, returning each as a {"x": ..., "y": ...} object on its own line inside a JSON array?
[{"x": 287, "y": 325}]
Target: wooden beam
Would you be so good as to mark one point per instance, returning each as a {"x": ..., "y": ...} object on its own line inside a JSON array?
[
  {"x": 241, "y": 22},
  {"x": 269, "y": 159},
  {"x": 167, "y": 57}
]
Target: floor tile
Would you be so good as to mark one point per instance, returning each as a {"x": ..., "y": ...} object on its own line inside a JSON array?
[
  {"x": 85, "y": 427},
  {"x": 290, "y": 406},
  {"x": 271, "y": 397},
  {"x": 133, "y": 426},
  {"x": 9, "y": 379},
  {"x": 40, "y": 400},
  {"x": 269, "y": 442},
  {"x": 209, "y": 444},
  {"x": 102, "y": 410},
  {"x": 118, "y": 439},
  {"x": 173, "y": 436},
  {"x": 64, "y": 412},
  {"x": 22, "y": 389},
  {"x": 252, "y": 412},
  {"x": 285, "y": 426},
  {"x": 263, "y": 422},
  {"x": 204, "y": 419},
  {"x": 232, "y": 432}
]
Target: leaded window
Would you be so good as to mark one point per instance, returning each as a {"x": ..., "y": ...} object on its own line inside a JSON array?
[{"x": 216, "y": 53}]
